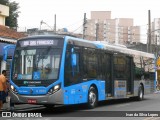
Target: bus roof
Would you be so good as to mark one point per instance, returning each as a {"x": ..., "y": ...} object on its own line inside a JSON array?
[
  {"x": 128, "y": 51},
  {"x": 116, "y": 48},
  {"x": 100, "y": 45}
]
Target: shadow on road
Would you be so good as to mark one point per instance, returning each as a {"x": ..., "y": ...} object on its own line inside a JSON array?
[
  {"x": 119, "y": 101},
  {"x": 76, "y": 110}
]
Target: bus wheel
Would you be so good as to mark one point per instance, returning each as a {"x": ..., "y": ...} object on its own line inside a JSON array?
[
  {"x": 92, "y": 98},
  {"x": 140, "y": 93}
]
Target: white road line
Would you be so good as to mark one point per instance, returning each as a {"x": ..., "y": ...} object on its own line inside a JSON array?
[{"x": 152, "y": 118}]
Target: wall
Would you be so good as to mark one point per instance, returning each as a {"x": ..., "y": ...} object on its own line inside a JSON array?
[{"x": 4, "y": 12}]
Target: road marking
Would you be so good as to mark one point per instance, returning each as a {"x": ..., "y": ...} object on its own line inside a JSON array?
[{"x": 152, "y": 118}]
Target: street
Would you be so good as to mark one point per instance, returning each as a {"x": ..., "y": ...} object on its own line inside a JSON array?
[{"x": 110, "y": 108}]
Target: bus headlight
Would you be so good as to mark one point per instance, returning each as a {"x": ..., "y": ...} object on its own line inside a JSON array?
[
  {"x": 54, "y": 89},
  {"x": 57, "y": 87},
  {"x": 13, "y": 89}
]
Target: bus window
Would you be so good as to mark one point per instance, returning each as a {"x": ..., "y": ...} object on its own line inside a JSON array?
[
  {"x": 120, "y": 67},
  {"x": 138, "y": 67},
  {"x": 90, "y": 63},
  {"x": 72, "y": 73}
]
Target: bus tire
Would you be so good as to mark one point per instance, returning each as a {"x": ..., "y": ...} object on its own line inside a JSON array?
[
  {"x": 92, "y": 98},
  {"x": 140, "y": 93}
]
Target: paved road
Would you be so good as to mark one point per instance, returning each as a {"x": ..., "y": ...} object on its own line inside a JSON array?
[{"x": 112, "y": 108}]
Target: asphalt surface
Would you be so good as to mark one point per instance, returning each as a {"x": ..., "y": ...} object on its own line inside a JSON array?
[{"x": 123, "y": 109}]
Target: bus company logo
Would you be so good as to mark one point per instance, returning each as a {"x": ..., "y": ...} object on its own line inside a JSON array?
[
  {"x": 25, "y": 82},
  {"x": 6, "y": 114}
]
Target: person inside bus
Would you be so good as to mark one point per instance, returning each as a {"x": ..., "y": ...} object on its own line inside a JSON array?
[
  {"x": 49, "y": 72},
  {"x": 3, "y": 87}
]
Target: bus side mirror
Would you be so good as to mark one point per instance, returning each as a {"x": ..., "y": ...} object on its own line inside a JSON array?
[{"x": 73, "y": 59}]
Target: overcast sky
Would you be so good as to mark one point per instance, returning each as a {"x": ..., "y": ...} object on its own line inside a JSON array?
[{"x": 70, "y": 12}]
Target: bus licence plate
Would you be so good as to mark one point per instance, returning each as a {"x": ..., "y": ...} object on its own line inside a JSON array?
[{"x": 32, "y": 101}]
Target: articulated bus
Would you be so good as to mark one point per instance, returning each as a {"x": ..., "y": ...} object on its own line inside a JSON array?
[{"x": 63, "y": 70}]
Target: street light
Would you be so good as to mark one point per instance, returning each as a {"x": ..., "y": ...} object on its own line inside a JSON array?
[{"x": 42, "y": 22}]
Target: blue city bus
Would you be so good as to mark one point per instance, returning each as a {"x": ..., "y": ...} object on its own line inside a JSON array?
[{"x": 63, "y": 70}]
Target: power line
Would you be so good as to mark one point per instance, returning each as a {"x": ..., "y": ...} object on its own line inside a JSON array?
[
  {"x": 74, "y": 23},
  {"x": 77, "y": 29}
]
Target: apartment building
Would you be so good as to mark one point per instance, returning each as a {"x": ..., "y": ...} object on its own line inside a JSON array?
[
  {"x": 123, "y": 24},
  {"x": 118, "y": 30},
  {"x": 109, "y": 33},
  {"x": 134, "y": 34}
]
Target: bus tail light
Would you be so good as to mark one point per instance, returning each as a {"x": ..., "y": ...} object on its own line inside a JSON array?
[{"x": 54, "y": 89}]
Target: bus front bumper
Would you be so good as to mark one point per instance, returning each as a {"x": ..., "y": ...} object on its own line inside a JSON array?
[{"x": 55, "y": 98}]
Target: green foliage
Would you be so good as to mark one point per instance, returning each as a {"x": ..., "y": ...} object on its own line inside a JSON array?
[
  {"x": 4, "y": 2},
  {"x": 11, "y": 20}
]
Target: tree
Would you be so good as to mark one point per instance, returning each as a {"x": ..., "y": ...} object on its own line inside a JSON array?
[
  {"x": 11, "y": 20},
  {"x": 4, "y": 2}
]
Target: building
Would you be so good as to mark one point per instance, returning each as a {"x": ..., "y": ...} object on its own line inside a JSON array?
[
  {"x": 100, "y": 15},
  {"x": 122, "y": 25},
  {"x": 134, "y": 34},
  {"x": 118, "y": 30},
  {"x": 4, "y": 12},
  {"x": 155, "y": 31},
  {"x": 109, "y": 30}
]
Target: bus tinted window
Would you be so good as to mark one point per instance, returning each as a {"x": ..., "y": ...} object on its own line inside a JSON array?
[
  {"x": 120, "y": 67},
  {"x": 36, "y": 64},
  {"x": 72, "y": 73}
]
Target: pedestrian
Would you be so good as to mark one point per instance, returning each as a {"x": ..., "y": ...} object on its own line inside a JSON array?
[
  {"x": 11, "y": 105},
  {"x": 3, "y": 88}
]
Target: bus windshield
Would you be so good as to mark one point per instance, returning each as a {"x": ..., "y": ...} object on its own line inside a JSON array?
[{"x": 36, "y": 63}]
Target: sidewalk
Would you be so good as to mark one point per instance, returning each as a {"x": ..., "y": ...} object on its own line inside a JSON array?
[
  {"x": 6, "y": 105},
  {"x": 157, "y": 92}
]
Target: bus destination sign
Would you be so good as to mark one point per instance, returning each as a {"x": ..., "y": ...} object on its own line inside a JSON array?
[{"x": 38, "y": 43}]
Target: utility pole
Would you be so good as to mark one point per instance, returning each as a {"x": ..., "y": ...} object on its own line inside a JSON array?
[
  {"x": 84, "y": 23},
  {"x": 149, "y": 33},
  {"x": 97, "y": 30},
  {"x": 55, "y": 23}
]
